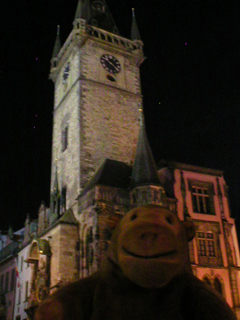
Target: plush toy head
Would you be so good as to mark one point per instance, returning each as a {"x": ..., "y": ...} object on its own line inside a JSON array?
[{"x": 150, "y": 245}]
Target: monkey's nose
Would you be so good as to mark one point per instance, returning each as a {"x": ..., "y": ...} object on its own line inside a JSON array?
[{"x": 148, "y": 237}]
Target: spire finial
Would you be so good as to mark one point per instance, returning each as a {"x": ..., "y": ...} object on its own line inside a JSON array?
[
  {"x": 135, "y": 35},
  {"x": 58, "y": 29}
]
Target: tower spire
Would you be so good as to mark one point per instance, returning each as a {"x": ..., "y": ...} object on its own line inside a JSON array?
[
  {"x": 96, "y": 13},
  {"x": 83, "y": 10},
  {"x": 57, "y": 45},
  {"x": 144, "y": 169},
  {"x": 79, "y": 10},
  {"x": 135, "y": 34}
]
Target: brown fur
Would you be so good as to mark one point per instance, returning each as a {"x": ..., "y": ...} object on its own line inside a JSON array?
[{"x": 148, "y": 243}]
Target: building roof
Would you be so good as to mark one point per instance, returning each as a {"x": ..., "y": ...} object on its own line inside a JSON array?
[
  {"x": 68, "y": 217},
  {"x": 192, "y": 168},
  {"x": 111, "y": 173}
]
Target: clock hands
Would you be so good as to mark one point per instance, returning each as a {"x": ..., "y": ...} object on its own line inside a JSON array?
[{"x": 111, "y": 64}]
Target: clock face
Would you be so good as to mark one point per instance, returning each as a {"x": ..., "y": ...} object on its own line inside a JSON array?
[
  {"x": 110, "y": 63},
  {"x": 66, "y": 73}
]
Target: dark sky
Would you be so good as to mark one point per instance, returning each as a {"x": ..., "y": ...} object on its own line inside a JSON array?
[{"x": 190, "y": 83}]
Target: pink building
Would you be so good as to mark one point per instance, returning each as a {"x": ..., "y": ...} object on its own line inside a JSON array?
[{"x": 202, "y": 195}]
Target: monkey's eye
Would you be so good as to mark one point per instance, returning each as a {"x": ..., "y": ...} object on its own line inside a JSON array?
[
  {"x": 169, "y": 220},
  {"x": 133, "y": 217}
]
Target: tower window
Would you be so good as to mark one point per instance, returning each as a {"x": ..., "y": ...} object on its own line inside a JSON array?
[
  {"x": 64, "y": 138},
  {"x": 63, "y": 199},
  {"x": 111, "y": 78}
]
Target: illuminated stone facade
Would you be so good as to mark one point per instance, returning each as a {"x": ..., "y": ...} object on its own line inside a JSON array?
[
  {"x": 99, "y": 171},
  {"x": 96, "y": 112}
]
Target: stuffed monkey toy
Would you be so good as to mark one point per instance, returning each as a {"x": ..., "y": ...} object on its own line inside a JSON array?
[{"x": 146, "y": 276}]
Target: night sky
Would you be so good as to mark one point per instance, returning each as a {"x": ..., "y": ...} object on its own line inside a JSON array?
[{"x": 190, "y": 84}]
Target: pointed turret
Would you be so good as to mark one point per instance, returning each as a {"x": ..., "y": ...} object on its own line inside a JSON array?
[
  {"x": 135, "y": 34},
  {"x": 55, "y": 196},
  {"x": 144, "y": 169},
  {"x": 56, "y": 49},
  {"x": 83, "y": 10},
  {"x": 57, "y": 45},
  {"x": 55, "y": 186},
  {"x": 80, "y": 10}
]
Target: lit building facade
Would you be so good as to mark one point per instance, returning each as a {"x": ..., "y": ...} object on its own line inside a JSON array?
[
  {"x": 8, "y": 265},
  {"x": 102, "y": 166},
  {"x": 202, "y": 195}
]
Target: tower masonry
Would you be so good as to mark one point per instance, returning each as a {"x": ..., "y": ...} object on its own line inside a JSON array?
[{"x": 97, "y": 98}]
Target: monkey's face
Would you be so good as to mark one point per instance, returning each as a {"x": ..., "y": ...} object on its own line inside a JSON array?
[{"x": 152, "y": 246}]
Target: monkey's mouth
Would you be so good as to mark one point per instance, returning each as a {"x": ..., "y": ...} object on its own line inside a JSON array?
[{"x": 156, "y": 256}]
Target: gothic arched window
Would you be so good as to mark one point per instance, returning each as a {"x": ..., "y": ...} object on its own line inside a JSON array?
[
  {"x": 207, "y": 281},
  {"x": 218, "y": 286}
]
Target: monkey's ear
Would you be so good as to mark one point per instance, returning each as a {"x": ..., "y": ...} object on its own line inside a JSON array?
[{"x": 189, "y": 227}]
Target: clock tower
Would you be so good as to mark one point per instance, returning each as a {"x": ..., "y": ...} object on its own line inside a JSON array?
[{"x": 96, "y": 102}]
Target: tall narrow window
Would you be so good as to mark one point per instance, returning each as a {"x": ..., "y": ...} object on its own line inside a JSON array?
[
  {"x": 19, "y": 294},
  {"x": 207, "y": 281},
  {"x": 7, "y": 282},
  {"x": 1, "y": 283},
  {"x": 63, "y": 199},
  {"x": 12, "y": 279},
  {"x": 21, "y": 265},
  {"x": 218, "y": 286},
  {"x": 64, "y": 138},
  {"x": 26, "y": 291}
]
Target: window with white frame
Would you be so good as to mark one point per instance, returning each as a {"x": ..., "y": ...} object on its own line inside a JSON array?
[{"x": 202, "y": 197}]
